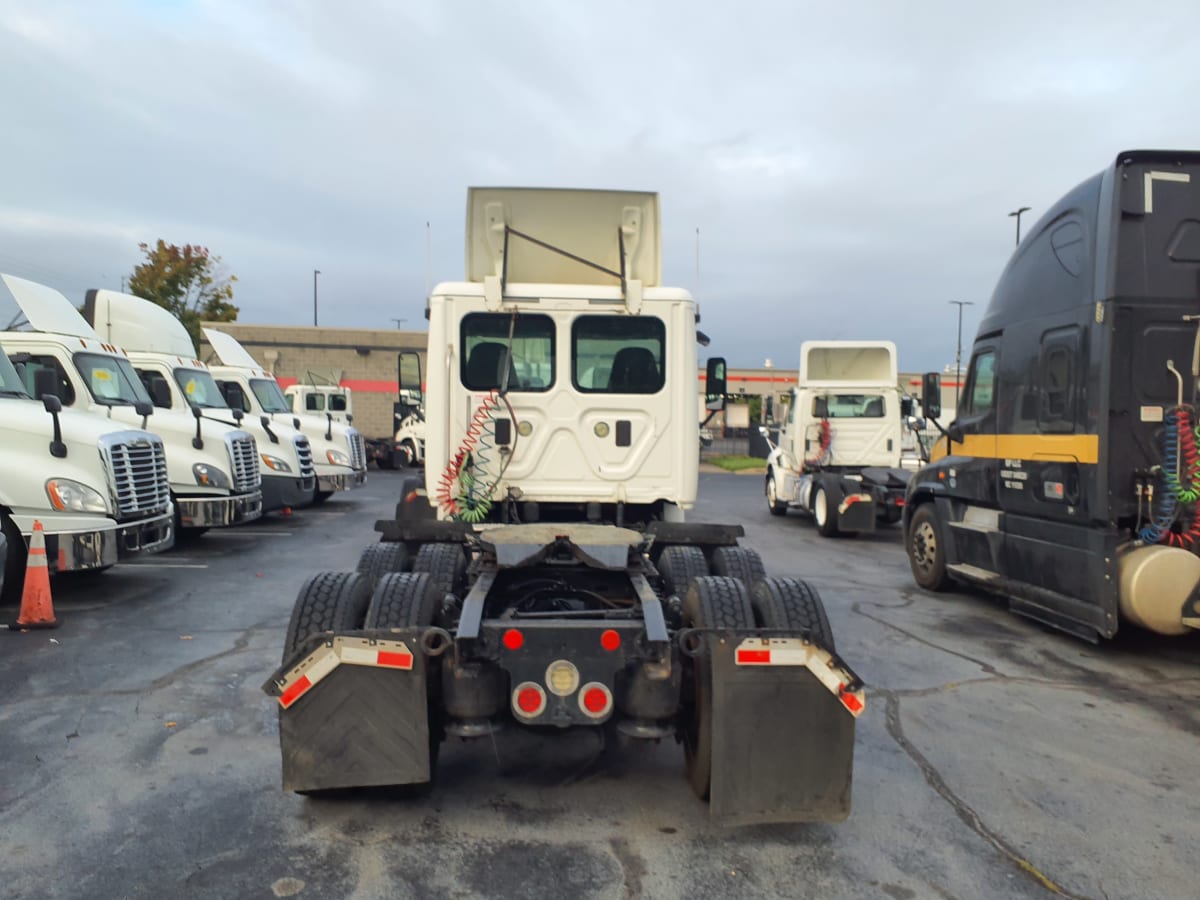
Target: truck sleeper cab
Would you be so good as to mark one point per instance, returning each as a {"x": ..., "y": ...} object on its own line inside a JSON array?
[
  {"x": 162, "y": 352},
  {"x": 1066, "y": 481},
  {"x": 339, "y": 453},
  {"x": 102, "y": 495},
  {"x": 211, "y": 465}
]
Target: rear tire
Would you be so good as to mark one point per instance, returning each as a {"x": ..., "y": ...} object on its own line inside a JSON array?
[
  {"x": 741, "y": 563},
  {"x": 927, "y": 550},
  {"x": 774, "y": 505},
  {"x": 790, "y": 604},
  {"x": 824, "y": 510},
  {"x": 379, "y": 559},
  {"x": 712, "y": 602},
  {"x": 679, "y": 565},
  {"x": 446, "y": 565},
  {"x": 403, "y": 600},
  {"x": 328, "y": 601}
]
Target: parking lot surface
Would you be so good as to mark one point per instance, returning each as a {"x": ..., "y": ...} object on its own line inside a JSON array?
[{"x": 996, "y": 758}]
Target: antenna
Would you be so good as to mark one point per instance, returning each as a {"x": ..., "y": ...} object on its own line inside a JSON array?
[
  {"x": 697, "y": 262},
  {"x": 428, "y": 257}
]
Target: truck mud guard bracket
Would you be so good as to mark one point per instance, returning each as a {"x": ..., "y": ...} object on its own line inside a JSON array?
[
  {"x": 695, "y": 533},
  {"x": 424, "y": 532},
  {"x": 783, "y": 722},
  {"x": 354, "y": 713}
]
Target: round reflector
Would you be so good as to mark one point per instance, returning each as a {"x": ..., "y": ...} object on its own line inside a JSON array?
[
  {"x": 610, "y": 640},
  {"x": 562, "y": 677},
  {"x": 595, "y": 700},
  {"x": 513, "y": 639}
]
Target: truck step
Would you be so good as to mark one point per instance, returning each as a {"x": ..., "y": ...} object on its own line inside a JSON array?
[{"x": 974, "y": 573}]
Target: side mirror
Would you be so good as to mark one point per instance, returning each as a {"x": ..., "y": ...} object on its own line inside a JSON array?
[
  {"x": 954, "y": 432},
  {"x": 196, "y": 413},
  {"x": 45, "y": 383},
  {"x": 296, "y": 422},
  {"x": 198, "y": 440},
  {"x": 762, "y": 429},
  {"x": 931, "y": 394},
  {"x": 408, "y": 373},
  {"x": 145, "y": 409},
  {"x": 715, "y": 384},
  {"x": 54, "y": 406},
  {"x": 906, "y": 407},
  {"x": 238, "y": 415}
]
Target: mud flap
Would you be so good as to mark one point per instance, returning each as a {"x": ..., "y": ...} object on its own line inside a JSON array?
[
  {"x": 360, "y": 724},
  {"x": 856, "y": 512},
  {"x": 782, "y": 744}
]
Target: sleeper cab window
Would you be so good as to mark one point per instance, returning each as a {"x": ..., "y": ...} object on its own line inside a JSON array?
[
  {"x": 485, "y": 340},
  {"x": 618, "y": 354}
]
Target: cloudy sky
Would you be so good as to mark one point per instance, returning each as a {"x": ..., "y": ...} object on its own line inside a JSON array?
[{"x": 849, "y": 169}]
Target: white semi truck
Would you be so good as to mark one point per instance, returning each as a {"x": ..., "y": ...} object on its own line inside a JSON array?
[
  {"x": 541, "y": 574},
  {"x": 164, "y": 357},
  {"x": 339, "y": 452},
  {"x": 404, "y": 447},
  {"x": 101, "y": 492},
  {"x": 212, "y": 466},
  {"x": 839, "y": 453}
]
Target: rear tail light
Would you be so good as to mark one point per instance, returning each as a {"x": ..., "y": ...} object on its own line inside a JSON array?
[
  {"x": 595, "y": 700},
  {"x": 529, "y": 700},
  {"x": 610, "y": 640},
  {"x": 513, "y": 639}
]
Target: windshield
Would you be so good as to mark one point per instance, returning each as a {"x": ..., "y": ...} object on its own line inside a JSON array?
[
  {"x": 10, "y": 384},
  {"x": 200, "y": 389},
  {"x": 269, "y": 395},
  {"x": 110, "y": 379}
]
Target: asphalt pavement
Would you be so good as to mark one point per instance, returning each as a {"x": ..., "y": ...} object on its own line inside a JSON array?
[{"x": 996, "y": 758}]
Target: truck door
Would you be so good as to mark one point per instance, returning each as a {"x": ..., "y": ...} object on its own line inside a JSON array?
[{"x": 975, "y": 475}]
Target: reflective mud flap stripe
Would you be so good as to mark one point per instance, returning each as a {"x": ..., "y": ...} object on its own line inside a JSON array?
[
  {"x": 853, "y": 499},
  {"x": 358, "y": 714},
  {"x": 352, "y": 651},
  {"x": 838, "y": 680},
  {"x": 782, "y": 732}
]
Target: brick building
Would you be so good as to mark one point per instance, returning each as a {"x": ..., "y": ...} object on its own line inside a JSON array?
[{"x": 364, "y": 360}]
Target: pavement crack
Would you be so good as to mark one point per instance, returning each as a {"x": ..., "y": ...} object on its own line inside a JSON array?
[
  {"x": 986, "y": 667},
  {"x": 961, "y": 808},
  {"x": 633, "y": 867}
]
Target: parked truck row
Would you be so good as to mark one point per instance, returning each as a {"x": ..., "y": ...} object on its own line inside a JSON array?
[{"x": 174, "y": 459}]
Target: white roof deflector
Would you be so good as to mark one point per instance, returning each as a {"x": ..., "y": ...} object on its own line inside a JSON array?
[
  {"x": 587, "y": 225},
  {"x": 46, "y": 309},
  {"x": 228, "y": 350},
  {"x": 137, "y": 325}
]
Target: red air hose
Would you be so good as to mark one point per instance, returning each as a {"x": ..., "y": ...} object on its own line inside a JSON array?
[
  {"x": 826, "y": 440},
  {"x": 446, "y": 484}
]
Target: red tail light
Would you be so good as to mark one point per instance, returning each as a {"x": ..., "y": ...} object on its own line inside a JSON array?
[
  {"x": 610, "y": 640},
  {"x": 595, "y": 700},
  {"x": 529, "y": 700}
]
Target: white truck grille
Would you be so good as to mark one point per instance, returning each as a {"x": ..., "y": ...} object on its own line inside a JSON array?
[
  {"x": 358, "y": 448},
  {"x": 243, "y": 454},
  {"x": 304, "y": 453},
  {"x": 138, "y": 464}
]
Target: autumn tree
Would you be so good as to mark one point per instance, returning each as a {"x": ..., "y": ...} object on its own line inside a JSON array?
[{"x": 188, "y": 281}]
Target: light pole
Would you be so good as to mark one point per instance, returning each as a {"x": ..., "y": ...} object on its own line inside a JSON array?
[
  {"x": 958, "y": 349},
  {"x": 399, "y": 322},
  {"x": 316, "y": 272},
  {"x": 1017, "y": 213}
]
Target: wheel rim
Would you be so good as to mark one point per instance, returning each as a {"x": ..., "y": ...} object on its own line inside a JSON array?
[
  {"x": 924, "y": 546},
  {"x": 820, "y": 510},
  {"x": 772, "y": 498}
]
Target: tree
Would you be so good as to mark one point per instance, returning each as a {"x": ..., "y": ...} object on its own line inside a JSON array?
[{"x": 186, "y": 281}]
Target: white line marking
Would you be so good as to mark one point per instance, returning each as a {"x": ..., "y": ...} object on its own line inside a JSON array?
[
  {"x": 161, "y": 566},
  {"x": 1151, "y": 177}
]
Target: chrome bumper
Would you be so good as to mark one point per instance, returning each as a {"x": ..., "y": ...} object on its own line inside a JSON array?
[
  {"x": 279, "y": 491},
  {"x": 342, "y": 482},
  {"x": 82, "y": 550},
  {"x": 217, "y": 512}
]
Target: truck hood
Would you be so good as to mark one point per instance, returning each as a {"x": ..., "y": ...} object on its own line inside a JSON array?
[
  {"x": 136, "y": 324},
  {"x": 46, "y": 309},
  {"x": 28, "y": 417}
]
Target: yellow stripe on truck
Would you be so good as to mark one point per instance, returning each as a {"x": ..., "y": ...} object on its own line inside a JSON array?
[{"x": 1078, "y": 448}]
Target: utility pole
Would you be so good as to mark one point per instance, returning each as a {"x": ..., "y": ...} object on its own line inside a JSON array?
[
  {"x": 399, "y": 322},
  {"x": 1018, "y": 213},
  {"x": 958, "y": 350},
  {"x": 316, "y": 272}
]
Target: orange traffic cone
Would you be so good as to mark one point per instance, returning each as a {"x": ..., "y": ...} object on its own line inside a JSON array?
[{"x": 37, "y": 609}]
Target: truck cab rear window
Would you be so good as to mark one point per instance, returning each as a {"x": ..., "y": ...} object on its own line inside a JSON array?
[
  {"x": 617, "y": 354},
  {"x": 848, "y": 406},
  {"x": 485, "y": 340}
]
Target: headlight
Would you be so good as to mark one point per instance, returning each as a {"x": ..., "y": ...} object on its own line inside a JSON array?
[
  {"x": 71, "y": 496},
  {"x": 337, "y": 458},
  {"x": 275, "y": 463},
  {"x": 210, "y": 476}
]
